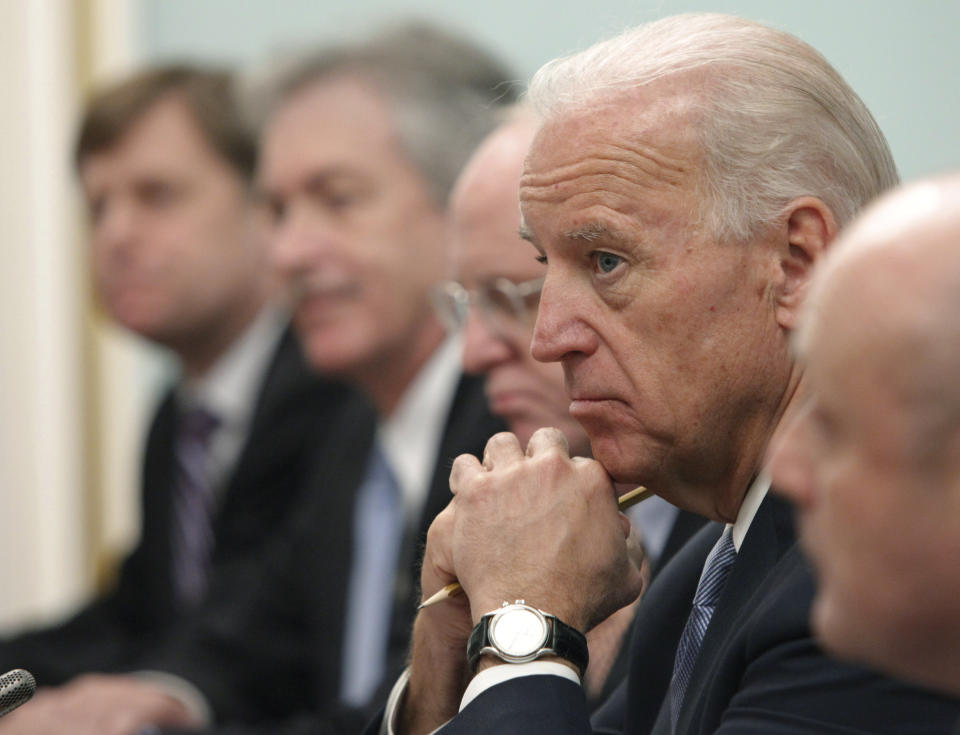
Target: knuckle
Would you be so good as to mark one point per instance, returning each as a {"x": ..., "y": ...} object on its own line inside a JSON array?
[
  {"x": 548, "y": 438},
  {"x": 551, "y": 433},
  {"x": 460, "y": 463},
  {"x": 594, "y": 474},
  {"x": 460, "y": 470},
  {"x": 441, "y": 524},
  {"x": 553, "y": 460},
  {"x": 501, "y": 439}
]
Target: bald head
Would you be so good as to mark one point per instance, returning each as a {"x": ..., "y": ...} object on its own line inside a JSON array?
[
  {"x": 873, "y": 462},
  {"x": 894, "y": 279},
  {"x": 484, "y": 201}
]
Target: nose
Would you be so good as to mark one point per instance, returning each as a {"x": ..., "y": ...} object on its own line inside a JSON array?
[
  {"x": 294, "y": 242},
  {"x": 115, "y": 228},
  {"x": 562, "y": 324},
  {"x": 483, "y": 350},
  {"x": 791, "y": 462}
]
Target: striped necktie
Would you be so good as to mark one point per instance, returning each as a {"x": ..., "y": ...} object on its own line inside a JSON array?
[
  {"x": 192, "y": 533},
  {"x": 716, "y": 569}
]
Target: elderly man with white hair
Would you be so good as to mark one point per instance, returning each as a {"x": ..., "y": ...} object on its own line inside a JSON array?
[{"x": 685, "y": 179}]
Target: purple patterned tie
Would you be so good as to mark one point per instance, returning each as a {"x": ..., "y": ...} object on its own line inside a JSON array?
[
  {"x": 716, "y": 569},
  {"x": 192, "y": 533}
]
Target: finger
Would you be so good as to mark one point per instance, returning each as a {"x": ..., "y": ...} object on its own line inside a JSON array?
[
  {"x": 545, "y": 439},
  {"x": 437, "y": 568},
  {"x": 635, "y": 549},
  {"x": 502, "y": 449},
  {"x": 464, "y": 467}
]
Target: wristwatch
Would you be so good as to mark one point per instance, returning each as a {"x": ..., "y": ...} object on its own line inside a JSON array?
[{"x": 519, "y": 633}]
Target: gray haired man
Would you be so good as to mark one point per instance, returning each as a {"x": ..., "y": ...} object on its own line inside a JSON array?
[{"x": 686, "y": 178}]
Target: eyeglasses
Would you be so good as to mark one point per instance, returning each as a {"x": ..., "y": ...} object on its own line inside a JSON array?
[{"x": 508, "y": 308}]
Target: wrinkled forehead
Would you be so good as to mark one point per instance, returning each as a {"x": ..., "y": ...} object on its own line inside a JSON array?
[
  {"x": 663, "y": 117},
  {"x": 638, "y": 153}
]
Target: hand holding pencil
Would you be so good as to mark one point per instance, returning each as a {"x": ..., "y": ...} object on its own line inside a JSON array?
[
  {"x": 535, "y": 524},
  {"x": 627, "y": 500}
]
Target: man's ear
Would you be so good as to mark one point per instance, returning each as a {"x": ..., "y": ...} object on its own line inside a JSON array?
[{"x": 810, "y": 227}]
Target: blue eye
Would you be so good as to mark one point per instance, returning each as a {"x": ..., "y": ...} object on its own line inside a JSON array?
[{"x": 607, "y": 262}]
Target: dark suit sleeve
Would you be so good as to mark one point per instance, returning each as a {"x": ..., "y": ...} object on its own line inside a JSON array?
[
  {"x": 790, "y": 687},
  {"x": 266, "y": 646},
  {"x": 138, "y": 618},
  {"x": 112, "y": 630},
  {"x": 529, "y": 704},
  {"x": 269, "y": 661}
]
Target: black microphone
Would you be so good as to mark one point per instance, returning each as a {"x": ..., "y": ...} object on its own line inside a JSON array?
[{"x": 16, "y": 687}]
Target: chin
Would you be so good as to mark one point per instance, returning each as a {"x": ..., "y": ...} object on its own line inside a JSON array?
[
  {"x": 619, "y": 463},
  {"x": 332, "y": 353}
]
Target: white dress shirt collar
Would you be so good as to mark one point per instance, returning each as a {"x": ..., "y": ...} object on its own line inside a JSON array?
[
  {"x": 748, "y": 509},
  {"x": 410, "y": 436},
  {"x": 230, "y": 389},
  {"x": 225, "y": 389}
]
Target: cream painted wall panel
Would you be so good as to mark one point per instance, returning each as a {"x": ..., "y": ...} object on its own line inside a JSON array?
[
  {"x": 74, "y": 392},
  {"x": 42, "y": 551}
]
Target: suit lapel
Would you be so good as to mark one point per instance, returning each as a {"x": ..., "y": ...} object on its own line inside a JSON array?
[
  {"x": 287, "y": 376},
  {"x": 338, "y": 472},
  {"x": 661, "y": 616},
  {"x": 769, "y": 538},
  {"x": 153, "y": 551}
]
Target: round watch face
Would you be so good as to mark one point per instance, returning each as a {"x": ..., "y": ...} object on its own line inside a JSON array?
[{"x": 518, "y": 631}]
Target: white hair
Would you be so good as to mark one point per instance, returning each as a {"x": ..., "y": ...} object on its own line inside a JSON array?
[{"x": 777, "y": 121}]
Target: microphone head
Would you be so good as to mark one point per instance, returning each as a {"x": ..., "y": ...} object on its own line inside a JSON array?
[{"x": 16, "y": 687}]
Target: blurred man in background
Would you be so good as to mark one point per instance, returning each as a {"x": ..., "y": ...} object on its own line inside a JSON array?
[
  {"x": 178, "y": 256},
  {"x": 872, "y": 460},
  {"x": 360, "y": 147}
]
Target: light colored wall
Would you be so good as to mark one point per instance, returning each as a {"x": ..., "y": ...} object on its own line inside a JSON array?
[
  {"x": 74, "y": 392},
  {"x": 41, "y": 443},
  {"x": 900, "y": 55}
]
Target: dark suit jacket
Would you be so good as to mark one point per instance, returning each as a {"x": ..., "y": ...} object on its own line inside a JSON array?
[
  {"x": 758, "y": 672},
  {"x": 271, "y": 662},
  {"x": 685, "y": 525},
  {"x": 290, "y": 417}
]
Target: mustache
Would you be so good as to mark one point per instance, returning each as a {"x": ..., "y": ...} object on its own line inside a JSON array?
[{"x": 319, "y": 284}]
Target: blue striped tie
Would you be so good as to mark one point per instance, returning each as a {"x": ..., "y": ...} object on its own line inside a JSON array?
[
  {"x": 192, "y": 532},
  {"x": 716, "y": 569}
]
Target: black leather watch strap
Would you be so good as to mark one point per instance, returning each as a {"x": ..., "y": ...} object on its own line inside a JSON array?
[
  {"x": 570, "y": 644},
  {"x": 477, "y": 641},
  {"x": 562, "y": 640}
]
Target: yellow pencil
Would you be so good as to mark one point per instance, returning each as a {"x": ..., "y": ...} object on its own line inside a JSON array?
[{"x": 453, "y": 589}]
